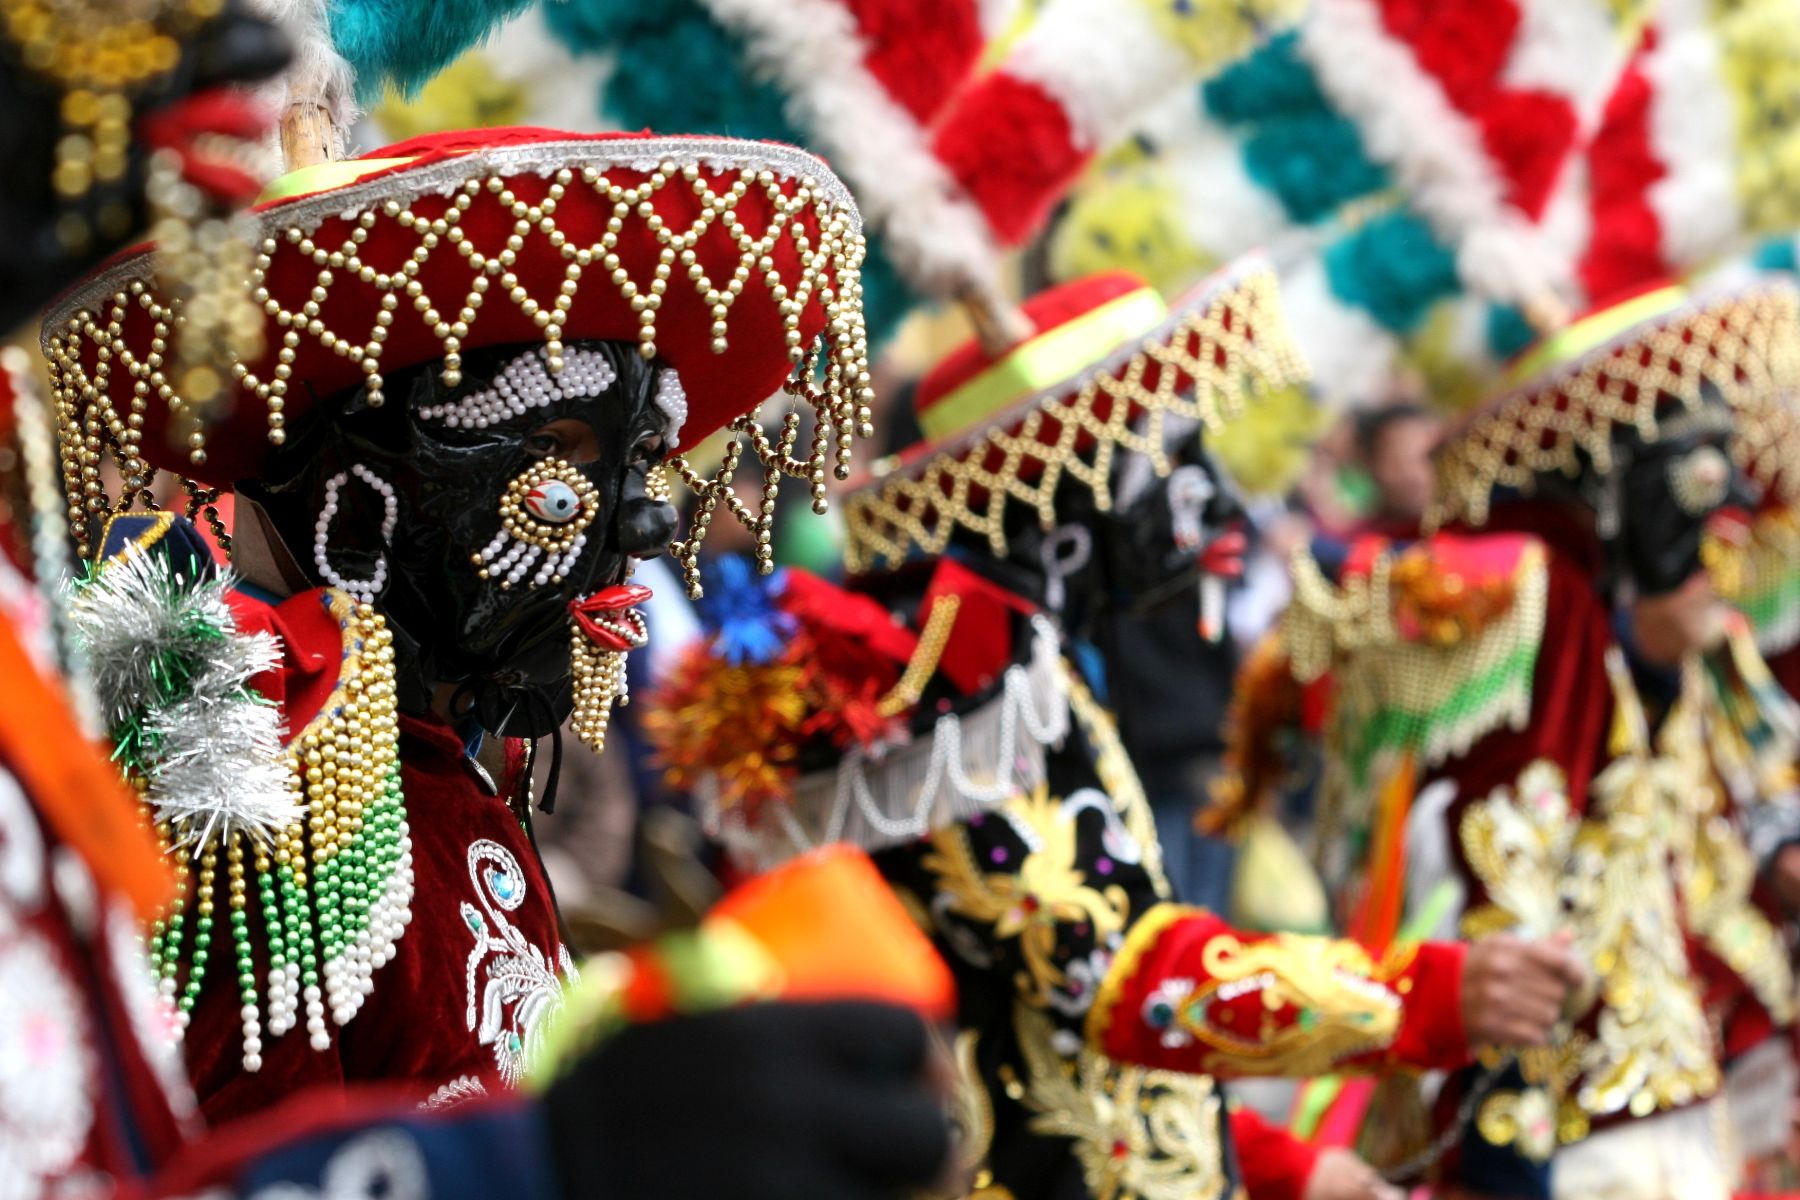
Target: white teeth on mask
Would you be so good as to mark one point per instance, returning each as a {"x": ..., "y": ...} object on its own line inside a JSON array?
[{"x": 630, "y": 627}]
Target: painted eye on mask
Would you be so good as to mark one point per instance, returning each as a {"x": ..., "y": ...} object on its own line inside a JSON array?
[
  {"x": 1699, "y": 480},
  {"x": 553, "y": 502}
]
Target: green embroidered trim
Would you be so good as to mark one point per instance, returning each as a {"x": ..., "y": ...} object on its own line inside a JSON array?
[{"x": 1475, "y": 707}]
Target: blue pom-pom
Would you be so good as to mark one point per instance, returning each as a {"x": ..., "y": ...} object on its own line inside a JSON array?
[
  {"x": 404, "y": 44},
  {"x": 740, "y": 611},
  {"x": 1508, "y": 332},
  {"x": 1777, "y": 254},
  {"x": 886, "y": 300},
  {"x": 1274, "y": 81},
  {"x": 601, "y": 24},
  {"x": 1394, "y": 268},
  {"x": 679, "y": 71},
  {"x": 1313, "y": 162}
]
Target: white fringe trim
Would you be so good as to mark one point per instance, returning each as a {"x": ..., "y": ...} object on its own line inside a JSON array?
[
  {"x": 814, "y": 51},
  {"x": 968, "y": 765}
]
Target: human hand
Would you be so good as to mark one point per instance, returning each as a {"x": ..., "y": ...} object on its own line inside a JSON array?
[
  {"x": 1784, "y": 876},
  {"x": 1340, "y": 1175},
  {"x": 1514, "y": 989}
]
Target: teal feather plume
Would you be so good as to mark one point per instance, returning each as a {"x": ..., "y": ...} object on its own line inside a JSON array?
[{"x": 403, "y": 43}]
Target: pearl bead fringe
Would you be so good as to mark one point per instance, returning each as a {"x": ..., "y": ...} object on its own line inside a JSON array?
[{"x": 364, "y": 590}]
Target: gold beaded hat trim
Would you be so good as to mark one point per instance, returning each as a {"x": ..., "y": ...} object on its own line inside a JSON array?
[
  {"x": 1219, "y": 347},
  {"x": 735, "y": 263},
  {"x": 1614, "y": 370}
]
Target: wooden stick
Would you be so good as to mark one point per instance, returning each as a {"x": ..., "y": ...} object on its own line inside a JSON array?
[
  {"x": 1546, "y": 313},
  {"x": 307, "y": 135},
  {"x": 999, "y": 324}
]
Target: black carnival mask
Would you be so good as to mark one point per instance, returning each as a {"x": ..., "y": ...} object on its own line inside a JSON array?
[
  {"x": 487, "y": 519},
  {"x": 1664, "y": 493},
  {"x": 1161, "y": 536}
]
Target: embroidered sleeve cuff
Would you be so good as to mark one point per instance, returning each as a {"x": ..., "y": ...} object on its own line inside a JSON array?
[
  {"x": 1189, "y": 993},
  {"x": 1431, "y": 1032}
]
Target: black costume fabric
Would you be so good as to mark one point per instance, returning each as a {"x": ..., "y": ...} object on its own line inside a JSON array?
[{"x": 1028, "y": 902}]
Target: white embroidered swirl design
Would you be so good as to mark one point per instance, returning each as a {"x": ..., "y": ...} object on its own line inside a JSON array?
[{"x": 512, "y": 985}]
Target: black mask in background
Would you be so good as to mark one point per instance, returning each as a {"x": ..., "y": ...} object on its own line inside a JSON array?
[
  {"x": 1157, "y": 532},
  {"x": 1143, "y": 551},
  {"x": 507, "y": 648},
  {"x": 1668, "y": 489}
]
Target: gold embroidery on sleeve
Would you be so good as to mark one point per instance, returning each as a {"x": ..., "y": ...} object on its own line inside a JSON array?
[{"x": 1339, "y": 1009}]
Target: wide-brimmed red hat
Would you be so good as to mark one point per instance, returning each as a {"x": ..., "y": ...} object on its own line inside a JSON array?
[
  {"x": 1108, "y": 367},
  {"x": 1623, "y": 366},
  {"x": 734, "y": 262}
]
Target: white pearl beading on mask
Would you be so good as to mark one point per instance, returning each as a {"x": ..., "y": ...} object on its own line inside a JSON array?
[
  {"x": 804, "y": 248},
  {"x": 523, "y": 384},
  {"x": 671, "y": 401},
  {"x": 363, "y": 589}
]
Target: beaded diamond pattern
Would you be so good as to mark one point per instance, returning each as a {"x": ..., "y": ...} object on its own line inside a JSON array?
[
  {"x": 105, "y": 374},
  {"x": 1203, "y": 366},
  {"x": 1747, "y": 345}
]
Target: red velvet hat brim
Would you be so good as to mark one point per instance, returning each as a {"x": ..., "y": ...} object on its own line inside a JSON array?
[{"x": 720, "y": 385}]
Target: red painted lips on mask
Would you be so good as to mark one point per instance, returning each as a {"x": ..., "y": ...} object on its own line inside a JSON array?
[
  {"x": 609, "y": 617},
  {"x": 1224, "y": 555}
]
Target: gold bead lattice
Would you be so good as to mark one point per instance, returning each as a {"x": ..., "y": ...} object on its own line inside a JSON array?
[
  {"x": 1203, "y": 366},
  {"x": 1745, "y": 344},
  {"x": 111, "y": 347}
]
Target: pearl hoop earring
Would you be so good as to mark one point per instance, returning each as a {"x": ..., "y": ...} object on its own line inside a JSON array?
[{"x": 365, "y": 590}]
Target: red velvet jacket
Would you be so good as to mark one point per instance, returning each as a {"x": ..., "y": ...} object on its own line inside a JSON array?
[
  {"x": 479, "y": 964},
  {"x": 92, "y": 1099},
  {"x": 1564, "y": 823}
]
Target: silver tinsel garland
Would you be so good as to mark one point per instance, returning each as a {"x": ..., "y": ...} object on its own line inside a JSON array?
[{"x": 167, "y": 658}]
